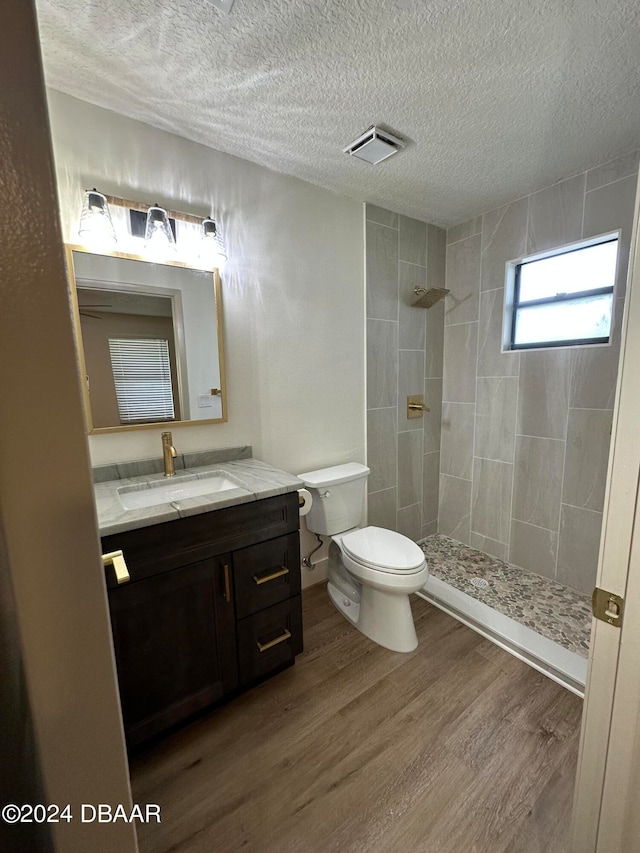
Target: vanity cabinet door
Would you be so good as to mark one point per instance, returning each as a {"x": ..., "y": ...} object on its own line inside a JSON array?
[
  {"x": 175, "y": 646},
  {"x": 266, "y": 574},
  {"x": 269, "y": 640}
]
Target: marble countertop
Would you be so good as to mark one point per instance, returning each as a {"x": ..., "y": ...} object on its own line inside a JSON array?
[{"x": 258, "y": 480}]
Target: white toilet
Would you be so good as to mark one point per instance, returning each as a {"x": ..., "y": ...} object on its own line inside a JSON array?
[{"x": 372, "y": 571}]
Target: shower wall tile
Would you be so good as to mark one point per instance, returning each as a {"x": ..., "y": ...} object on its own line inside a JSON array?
[
  {"x": 413, "y": 321},
  {"x": 382, "y": 272},
  {"x": 379, "y": 214},
  {"x": 412, "y": 243},
  {"x": 585, "y": 470},
  {"x": 381, "y": 509},
  {"x": 409, "y": 468},
  {"x": 608, "y": 208},
  {"x": 430, "y": 487},
  {"x": 543, "y": 399},
  {"x": 623, "y": 167},
  {"x": 460, "y": 358},
  {"x": 495, "y": 434},
  {"x": 432, "y": 420},
  {"x": 595, "y": 370},
  {"x": 464, "y": 230},
  {"x": 580, "y": 531},
  {"x": 504, "y": 238},
  {"x": 382, "y": 364},
  {"x": 538, "y": 481},
  {"x": 409, "y": 521},
  {"x": 435, "y": 339},
  {"x": 462, "y": 281},
  {"x": 491, "y": 360},
  {"x": 555, "y": 215},
  {"x": 456, "y": 450},
  {"x": 454, "y": 518},
  {"x": 436, "y": 255},
  {"x": 491, "y": 504},
  {"x": 410, "y": 381},
  {"x": 382, "y": 448},
  {"x": 404, "y": 354},
  {"x": 531, "y": 408},
  {"x": 490, "y": 546},
  {"x": 429, "y": 529},
  {"x": 533, "y": 548}
]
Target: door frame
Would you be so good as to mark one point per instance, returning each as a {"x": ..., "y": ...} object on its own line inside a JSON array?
[{"x": 608, "y": 776}]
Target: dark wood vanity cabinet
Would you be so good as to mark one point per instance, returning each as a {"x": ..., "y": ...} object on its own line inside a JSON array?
[{"x": 212, "y": 607}]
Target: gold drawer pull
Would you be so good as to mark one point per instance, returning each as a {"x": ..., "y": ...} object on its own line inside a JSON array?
[
  {"x": 282, "y": 571},
  {"x": 262, "y": 647},
  {"x": 227, "y": 584},
  {"x": 116, "y": 559}
]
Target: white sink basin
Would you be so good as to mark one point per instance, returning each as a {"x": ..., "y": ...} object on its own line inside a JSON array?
[{"x": 178, "y": 489}]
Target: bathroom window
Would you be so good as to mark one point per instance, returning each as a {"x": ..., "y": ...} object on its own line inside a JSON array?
[
  {"x": 142, "y": 377},
  {"x": 563, "y": 297}
]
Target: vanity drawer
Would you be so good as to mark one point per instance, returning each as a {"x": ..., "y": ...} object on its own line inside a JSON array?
[
  {"x": 269, "y": 640},
  {"x": 266, "y": 574}
]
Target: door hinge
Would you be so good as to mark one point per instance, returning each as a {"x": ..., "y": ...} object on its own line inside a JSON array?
[{"x": 607, "y": 606}]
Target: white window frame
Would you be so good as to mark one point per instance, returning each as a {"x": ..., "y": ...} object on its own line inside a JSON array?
[{"x": 511, "y": 273}]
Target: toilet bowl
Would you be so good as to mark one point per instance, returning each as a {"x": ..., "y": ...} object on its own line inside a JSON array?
[{"x": 372, "y": 570}]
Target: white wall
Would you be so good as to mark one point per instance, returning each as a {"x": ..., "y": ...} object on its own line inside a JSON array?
[{"x": 292, "y": 290}]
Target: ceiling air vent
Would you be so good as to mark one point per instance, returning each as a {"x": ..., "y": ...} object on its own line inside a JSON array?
[{"x": 374, "y": 145}]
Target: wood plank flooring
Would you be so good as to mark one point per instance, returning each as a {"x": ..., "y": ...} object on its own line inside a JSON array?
[{"x": 455, "y": 748}]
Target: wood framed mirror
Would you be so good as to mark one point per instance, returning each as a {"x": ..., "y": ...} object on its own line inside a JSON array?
[{"x": 150, "y": 344}]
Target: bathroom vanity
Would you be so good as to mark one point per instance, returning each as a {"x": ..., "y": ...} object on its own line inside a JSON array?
[{"x": 213, "y": 602}]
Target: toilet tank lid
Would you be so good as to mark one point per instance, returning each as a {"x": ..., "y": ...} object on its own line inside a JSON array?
[{"x": 332, "y": 476}]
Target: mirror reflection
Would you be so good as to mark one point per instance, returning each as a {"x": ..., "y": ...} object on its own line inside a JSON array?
[{"x": 150, "y": 342}]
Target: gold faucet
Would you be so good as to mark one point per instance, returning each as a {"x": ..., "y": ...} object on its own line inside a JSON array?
[{"x": 169, "y": 454}]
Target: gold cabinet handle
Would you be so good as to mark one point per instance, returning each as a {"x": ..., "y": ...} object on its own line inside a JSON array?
[
  {"x": 227, "y": 583},
  {"x": 116, "y": 559},
  {"x": 262, "y": 647},
  {"x": 281, "y": 572}
]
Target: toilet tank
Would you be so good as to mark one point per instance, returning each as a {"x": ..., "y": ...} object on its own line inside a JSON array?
[{"x": 338, "y": 496}]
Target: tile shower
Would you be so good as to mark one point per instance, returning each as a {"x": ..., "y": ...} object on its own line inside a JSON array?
[{"x": 516, "y": 466}]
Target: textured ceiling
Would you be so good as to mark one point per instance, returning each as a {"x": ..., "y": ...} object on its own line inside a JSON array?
[{"x": 498, "y": 97}]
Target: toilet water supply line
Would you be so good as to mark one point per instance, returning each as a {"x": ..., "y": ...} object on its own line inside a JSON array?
[{"x": 306, "y": 561}]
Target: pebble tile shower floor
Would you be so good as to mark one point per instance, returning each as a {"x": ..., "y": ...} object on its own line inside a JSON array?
[{"x": 555, "y": 611}]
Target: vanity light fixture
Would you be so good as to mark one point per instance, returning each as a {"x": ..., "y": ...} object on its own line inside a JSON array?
[
  {"x": 212, "y": 248},
  {"x": 96, "y": 227},
  {"x": 156, "y": 224}
]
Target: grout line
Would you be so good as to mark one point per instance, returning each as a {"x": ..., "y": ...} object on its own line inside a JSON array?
[
  {"x": 410, "y": 350},
  {"x": 465, "y": 323},
  {"x": 380, "y": 491},
  {"x": 586, "y": 508},
  {"x": 453, "y": 477},
  {"x": 383, "y": 224},
  {"x": 539, "y": 437},
  {"x": 411, "y": 264},
  {"x": 584, "y": 204},
  {"x": 397, "y": 423},
  {"x": 588, "y": 409},
  {"x": 381, "y": 408},
  {"x": 515, "y": 443},
  {"x": 469, "y": 236},
  {"x": 499, "y": 461},
  {"x": 609, "y": 183},
  {"x": 382, "y": 320},
  {"x": 538, "y": 527}
]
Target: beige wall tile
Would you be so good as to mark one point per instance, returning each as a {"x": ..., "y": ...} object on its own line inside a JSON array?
[
  {"x": 412, "y": 243},
  {"x": 409, "y": 468},
  {"x": 410, "y": 382},
  {"x": 374, "y": 213},
  {"x": 382, "y": 509},
  {"x": 585, "y": 469},
  {"x": 555, "y": 215},
  {"x": 491, "y": 360},
  {"x": 491, "y": 499},
  {"x": 580, "y": 531},
  {"x": 456, "y": 447},
  {"x": 462, "y": 281},
  {"x": 413, "y": 321},
  {"x": 454, "y": 518},
  {"x": 495, "y": 434},
  {"x": 409, "y": 521},
  {"x": 430, "y": 487},
  {"x": 435, "y": 340},
  {"x": 465, "y": 229},
  {"x": 504, "y": 238},
  {"x": 533, "y": 548},
  {"x": 381, "y": 251},
  {"x": 500, "y": 550},
  {"x": 382, "y": 364},
  {"x": 538, "y": 481},
  {"x": 432, "y": 420},
  {"x": 460, "y": 358},
  {"x": 623, "y": 167},
  {"x": 382, "y": 448},
  {"x": 543, "y": 398}
]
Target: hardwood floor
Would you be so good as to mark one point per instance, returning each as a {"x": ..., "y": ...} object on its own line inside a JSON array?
[{"x": 455, "y": 748}]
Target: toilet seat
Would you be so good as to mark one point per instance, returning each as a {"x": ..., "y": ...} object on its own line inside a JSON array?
[{"x": 383, "y": 550}]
